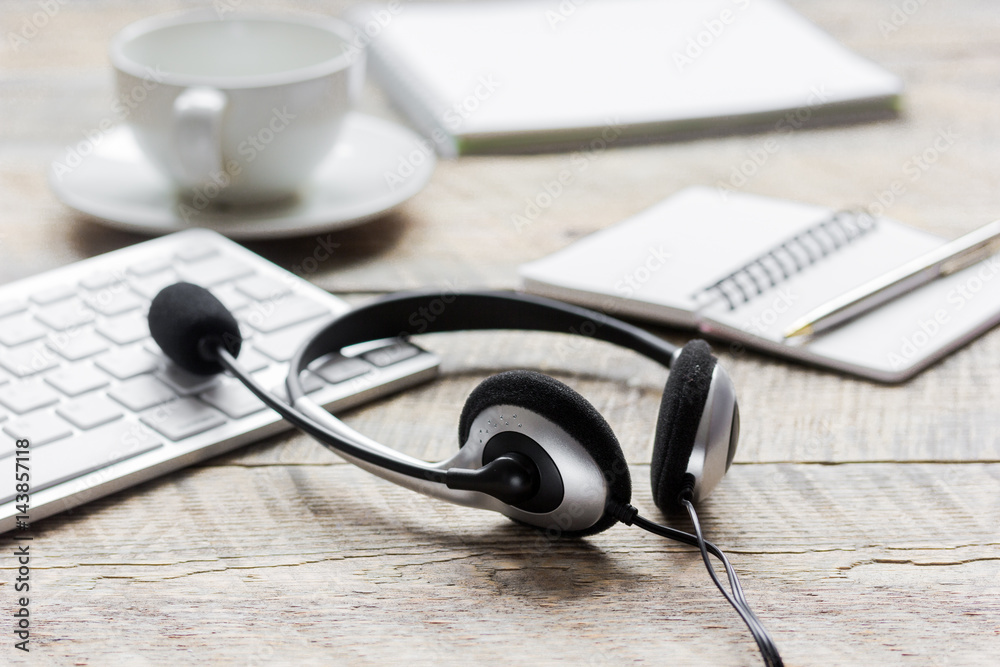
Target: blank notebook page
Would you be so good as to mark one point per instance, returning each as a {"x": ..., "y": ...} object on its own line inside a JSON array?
[{"x": 618, "y": 62}]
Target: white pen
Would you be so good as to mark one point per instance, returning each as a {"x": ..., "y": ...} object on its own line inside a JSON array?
[{"x": 949, "y": 258}]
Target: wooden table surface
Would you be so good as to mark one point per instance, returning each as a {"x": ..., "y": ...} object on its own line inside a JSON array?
[{"x": 862, "y": 518}]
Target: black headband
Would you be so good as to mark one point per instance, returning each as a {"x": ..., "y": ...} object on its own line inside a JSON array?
[{"x": 391, "y": 316}]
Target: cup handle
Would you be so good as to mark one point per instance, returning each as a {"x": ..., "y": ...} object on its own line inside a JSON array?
[{"x": 198, "y": 133}]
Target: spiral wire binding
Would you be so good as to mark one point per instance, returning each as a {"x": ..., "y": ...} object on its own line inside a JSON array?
[{"x": 788, "y": 258}]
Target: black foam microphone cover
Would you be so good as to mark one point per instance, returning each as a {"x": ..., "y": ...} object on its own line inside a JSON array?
[{"x": 189, "y": 323}]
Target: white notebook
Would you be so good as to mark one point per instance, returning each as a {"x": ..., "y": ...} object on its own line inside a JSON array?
[
  {"x": 520, "y": 75},
  {"x": 743, "y": 268}
]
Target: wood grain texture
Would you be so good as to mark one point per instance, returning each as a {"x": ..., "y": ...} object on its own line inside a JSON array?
[
  {"x": 863, "y": 518},
  {"x": 313, "y": 563}
]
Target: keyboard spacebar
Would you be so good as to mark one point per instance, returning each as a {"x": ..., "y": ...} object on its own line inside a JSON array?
[{"x": 71, "y": 457}]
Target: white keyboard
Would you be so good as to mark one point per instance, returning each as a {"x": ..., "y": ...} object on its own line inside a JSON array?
[{"x": 103, "y": 409}]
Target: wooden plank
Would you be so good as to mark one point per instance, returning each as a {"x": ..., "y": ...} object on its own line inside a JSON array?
[{"x": 856, "y": 563}]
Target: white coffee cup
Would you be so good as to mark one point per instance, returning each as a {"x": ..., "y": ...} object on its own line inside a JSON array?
[{"x": 240, "y": 110}]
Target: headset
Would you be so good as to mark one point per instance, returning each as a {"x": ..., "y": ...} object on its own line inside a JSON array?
[{"x": 531, "y": 447}]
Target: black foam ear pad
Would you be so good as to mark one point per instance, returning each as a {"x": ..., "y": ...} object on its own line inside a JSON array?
[
  {"x": 571, "y": 411},
  {"x": 677, "y": 424}
]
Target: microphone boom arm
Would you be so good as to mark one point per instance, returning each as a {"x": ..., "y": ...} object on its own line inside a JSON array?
[
  {"x": 413, "y": 468},
  {"x": 458, "y": 480}
]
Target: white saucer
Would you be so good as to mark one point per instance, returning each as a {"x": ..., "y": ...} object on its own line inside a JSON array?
[{"x": 375, "y": 166}]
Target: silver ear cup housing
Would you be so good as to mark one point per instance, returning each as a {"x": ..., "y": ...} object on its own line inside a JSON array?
[
  {"x": 717, "y": 436},
  {"x": 584, "y": 488}
]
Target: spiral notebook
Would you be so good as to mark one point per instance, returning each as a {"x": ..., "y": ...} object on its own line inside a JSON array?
[{"x": 743, "y": 268}]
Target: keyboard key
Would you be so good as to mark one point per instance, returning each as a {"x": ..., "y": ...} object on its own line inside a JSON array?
[
  {"x": 90, "y": 411},
  {"x": 65, "y": 314},
  {"x": 8, "y": 445},
  {"x": 77, "y": 379},
  {"x": 230, "y": 297},
  {"x": 245, "y": 329},
  {"x": 141, "y": 393},
  {"x": 214, "y": 270},
  {"x": 150, "y": 266},
  {"x": 338, "y": 368},
  {"x": 84, "y": 453},
  {"x": 128, "y": 362},
  {"x": 79, "y": 345},
  {"x": 183, "y": 382},
  {"x": 390, "y": 354},
  {"x": 20, "y": 329},
  {"x": 192, "y": 252},
  {"x": 272, "y": 377},
  {"x": 233, "y": 398},
  {"x": 310, "y": 383},
  {"x": 24, "y": 397},
  {"x": 149, "y": 286},
  {"x": 53, "y": 294},
  {"x": 27, "y": 360},
  {"x": 282, "y": 345},
  {"x": 114, "y": 301},
  {"x": 11, "y": 306},
  {"x": 101, "y": 279},
  {"x": 261, "y": 288},
  {"x": 271, "y": 316},
  {"x": 40, "y": 428},
  {"x": 124, "y": 329},
  {"x": 251, "y": 360},
  {"x": 183, "y": 418}
]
